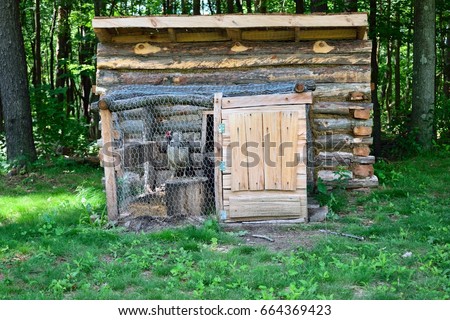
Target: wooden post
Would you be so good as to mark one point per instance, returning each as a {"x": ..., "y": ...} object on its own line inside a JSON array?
[
  {"x": 218, "y": 182},
  {"x": 108, "y": 160}
]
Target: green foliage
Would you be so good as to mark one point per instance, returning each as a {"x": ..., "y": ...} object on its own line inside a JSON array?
[
  {"x": 51, "y": 248},
  {"x": 54, "y": 132},
  {"x": 335, "y": 198}
]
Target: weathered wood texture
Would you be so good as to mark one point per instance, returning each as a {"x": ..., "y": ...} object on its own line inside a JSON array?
[
  {"x": 186, "y": 196},
  {"x": 233, "y": 21},
  {"x": 241, "y": 48},
  {"x": 213, "y": 28},
  {"x": 109, "y": 165},
  {"x": 320, "y": 74},
  {"x": 263, "y": 141}
]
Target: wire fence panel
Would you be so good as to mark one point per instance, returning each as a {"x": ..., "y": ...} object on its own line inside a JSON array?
[{"x": 164, "y": 138}]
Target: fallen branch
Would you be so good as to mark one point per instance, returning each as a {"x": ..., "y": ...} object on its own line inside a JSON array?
[
  {"x": 262, "y": 237},
  {"x": 343, "y": 235}
]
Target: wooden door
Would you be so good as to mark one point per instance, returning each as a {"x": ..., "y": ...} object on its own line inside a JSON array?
[{"x": 262, "y": 157}]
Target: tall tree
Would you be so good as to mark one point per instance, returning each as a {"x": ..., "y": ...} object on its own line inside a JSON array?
[
  {"x": 447, "y": 63},
  {"x": 64, "y": 50},
  {"x": 230, "y": 6},
  {"x": 299, "y": 6},
  {"x": 319, "y": 6},
  {"x": 374, "y": 79},
  {"x": 351, "y": 5},
  {"x": 2, "y": 127},
  {"x": 218, "y": 7},
  {"x": 239, "y": 6},
  {"x": 248, "y": 4},
  {"x": 424, "y": 71},
  {"x": 37, "y": 67},
  {"x": 14, "y": 86},
  {"x": 196, "y": 7}
]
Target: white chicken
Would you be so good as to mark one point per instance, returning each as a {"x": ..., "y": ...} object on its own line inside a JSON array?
[{"x": 177, "y": 154}]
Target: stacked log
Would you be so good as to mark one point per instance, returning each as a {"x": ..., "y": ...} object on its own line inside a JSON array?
[{"x": 342, "y": 136}]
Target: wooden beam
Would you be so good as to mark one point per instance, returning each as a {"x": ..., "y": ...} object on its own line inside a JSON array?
[
  {"x": 109, "y": 165},
  {"x": 263, "y": 100},
  {"x": 218, "y": 179},
  {"x": 254, "y": 47},
  {"x": 229, "y": 62},
  {"x": 234, "y": 34},
  {"x": 321, "y": 75},
  {"x": 235, "y": 21}
]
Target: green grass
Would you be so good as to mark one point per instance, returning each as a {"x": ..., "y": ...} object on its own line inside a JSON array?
[{"x": 50, "y": 249}]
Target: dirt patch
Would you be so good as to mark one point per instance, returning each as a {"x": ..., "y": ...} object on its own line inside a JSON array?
[
  {"x": 276, "y": 238},
  {"x": 152, "y": 224}
]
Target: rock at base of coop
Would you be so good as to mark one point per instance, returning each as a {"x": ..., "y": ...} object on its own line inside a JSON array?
[{"x": 186, "y": 196}]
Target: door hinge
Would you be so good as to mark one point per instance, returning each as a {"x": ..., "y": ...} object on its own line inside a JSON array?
[
  {"x": 222, "y": 166},
  {"x": 222, "y": 128}
]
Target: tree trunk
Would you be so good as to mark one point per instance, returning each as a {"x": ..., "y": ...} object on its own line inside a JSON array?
[
  {"x": 99, "y": 7},
  {"x": 64, "y": 49},
  {"x": 170, "y": 7},
  {"x": 397, "y": 75},
  {"x": 52, "y": 48},
  {"x": 14, "y": 86},
  {"x": 2, "y": 126},
  {"x": 447, "y": 64},
  {"x": 230, "y": 6},
  {"x": 87, "y": 49},
  {"x": 424, "y": 71},
  {"x": 248, "y": 4},
  {"x": 319, "y": 6},
  {"x": 263, "y": 6},
  {"x": 37, "y": 67},
  {"x": 196, "y": 7},
  {"x": 374, "y": 79},
  {"x": 240, "y": 9},
  {"x": 300, "y": 6},
  {"x": 351, "y": 5}
]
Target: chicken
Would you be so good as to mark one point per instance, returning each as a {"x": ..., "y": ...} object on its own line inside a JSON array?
[{"x": 177, "y": 154}]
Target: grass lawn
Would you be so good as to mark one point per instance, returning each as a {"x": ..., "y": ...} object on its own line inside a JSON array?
[{"x": 50, "y": 248}]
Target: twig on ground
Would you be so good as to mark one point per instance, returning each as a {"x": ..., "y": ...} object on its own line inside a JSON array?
[
  {"x": 343, "y": 235},
  {"x": 262, "y": 237}
]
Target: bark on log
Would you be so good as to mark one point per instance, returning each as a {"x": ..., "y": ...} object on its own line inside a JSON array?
[
  {"x": 330, "y": 178},
  {"x": 227, "y": 62},
  {"x": 338, "y": 108},
  {"x": 364, "y": 159},
  {"x": 340, "y": 124},
  {"x": 371, "y": 182},
  {"x": 319, "y": 74},
  {"x": 224, "y": 48},
  {"x": 333, "y": 159},
  {"x": 336, "y": 141}
]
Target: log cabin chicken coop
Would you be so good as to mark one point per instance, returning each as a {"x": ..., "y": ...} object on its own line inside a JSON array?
[{"x": 239, "y": 116}]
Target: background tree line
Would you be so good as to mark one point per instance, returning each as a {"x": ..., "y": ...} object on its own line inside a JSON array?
[{"x": 60, "y": 47}]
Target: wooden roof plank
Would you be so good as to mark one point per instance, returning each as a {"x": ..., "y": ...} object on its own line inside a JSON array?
[{"x": 234, "y": 21}]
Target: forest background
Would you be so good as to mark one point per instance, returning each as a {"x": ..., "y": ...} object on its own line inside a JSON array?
[{"x": 60, "y": 53}]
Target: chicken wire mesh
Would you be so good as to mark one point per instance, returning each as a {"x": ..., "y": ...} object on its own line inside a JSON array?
[{"x": 164, "y": 140}]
